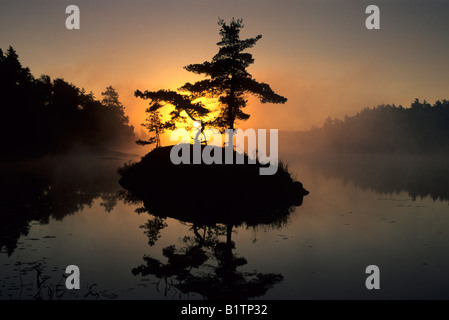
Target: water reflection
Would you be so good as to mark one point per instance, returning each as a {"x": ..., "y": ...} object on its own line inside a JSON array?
[
  {"x": 52, "y": 188},
  {"x": 419, "y": 176},
  {"x": 204, "y": 256},
  {"x": 212, "y": 201},
  {"x": 207, "y": 266},
  {"x": 206, "y": 263}
]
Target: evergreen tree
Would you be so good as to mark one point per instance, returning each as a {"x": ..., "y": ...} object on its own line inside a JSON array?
[
  {"x": 155, "y": 126},
  {"x": 42, "y": 116},
  {"x": 111, "y": 100},
  {"x": 229, "y": 80},
  {"x": 181, "y": 103}
]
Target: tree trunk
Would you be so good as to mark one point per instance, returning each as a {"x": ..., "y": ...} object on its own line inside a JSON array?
[
  {"x": 231, "y": 106},
  {"x": 229, "y": 234}
]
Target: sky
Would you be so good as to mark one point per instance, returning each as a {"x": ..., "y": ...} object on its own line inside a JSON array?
[{"x": 316, "y": 53}]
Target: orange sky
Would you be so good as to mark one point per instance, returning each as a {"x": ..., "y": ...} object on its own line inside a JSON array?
[{"x": 318, "y": 54}]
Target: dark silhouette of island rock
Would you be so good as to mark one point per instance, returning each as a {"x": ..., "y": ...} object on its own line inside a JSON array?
[{"x": 208, "y": 194}]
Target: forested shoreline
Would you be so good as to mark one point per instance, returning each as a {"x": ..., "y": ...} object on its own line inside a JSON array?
[
  {"x": 386, "y": 129},
  {"x": 43, "y": 116}
]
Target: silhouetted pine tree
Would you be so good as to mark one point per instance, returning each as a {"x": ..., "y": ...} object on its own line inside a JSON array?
[
  {"x": 228, "y": 81},
  {"x": 155, "y": 126}
]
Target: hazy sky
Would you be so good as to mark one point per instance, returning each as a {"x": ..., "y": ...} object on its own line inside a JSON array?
[{"x": 316, "y": 53}]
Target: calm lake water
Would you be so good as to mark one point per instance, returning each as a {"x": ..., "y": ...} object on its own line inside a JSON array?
[{"x": 392, "y": 212}]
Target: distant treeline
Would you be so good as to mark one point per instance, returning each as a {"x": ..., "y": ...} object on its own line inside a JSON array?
[
  {"x": 421, "y": 129},
  {"x": 41, "y": 116}
]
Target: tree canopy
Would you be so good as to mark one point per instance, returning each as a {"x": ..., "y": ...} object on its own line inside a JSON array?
[
  {"x": 227, "y": 80},
  {"x": 43, "y": 116},
  {"x": 421, "y": 129}
]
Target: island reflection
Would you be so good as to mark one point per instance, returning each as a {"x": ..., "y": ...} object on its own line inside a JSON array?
[{"x": 206, "y": 263}]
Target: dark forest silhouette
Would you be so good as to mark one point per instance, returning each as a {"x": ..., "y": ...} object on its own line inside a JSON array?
[
  {"x": 387, "y": 129},
  {"x": 387, "y": 149},
  {"x": 42, "y": 116},
  {"x": 43, "y": 120}
]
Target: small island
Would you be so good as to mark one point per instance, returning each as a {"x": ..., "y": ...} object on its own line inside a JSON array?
[{"x": 211, "y": 193}]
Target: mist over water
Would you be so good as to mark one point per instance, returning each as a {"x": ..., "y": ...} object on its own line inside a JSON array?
[
  {"x": 390, "y": 211},
  {"x": 369, "y": 189}
]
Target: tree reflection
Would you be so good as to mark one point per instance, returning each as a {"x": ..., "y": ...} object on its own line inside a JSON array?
[
  {"x": 419, "y": 176},
  {"x": 54, "y": 188},
  {"x": 206, "y": 263},
  {"x": 208, "y": 266}
]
